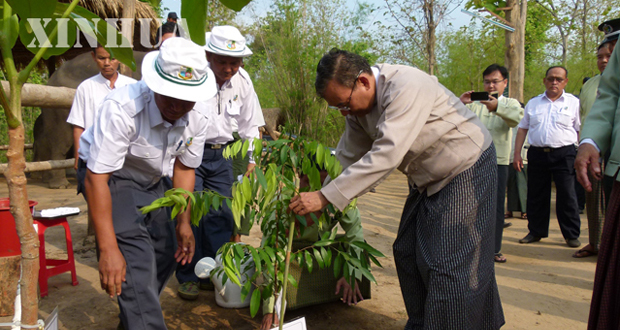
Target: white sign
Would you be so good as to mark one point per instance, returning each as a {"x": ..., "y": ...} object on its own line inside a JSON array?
[
  {"x": 296, "y": 324},
  {"x": 51, "y": 323}
]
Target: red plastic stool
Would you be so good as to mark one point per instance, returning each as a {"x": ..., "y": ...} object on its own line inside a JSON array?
[{"x": 55, "y": 266}]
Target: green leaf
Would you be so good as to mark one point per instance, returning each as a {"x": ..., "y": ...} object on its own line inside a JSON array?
[
  {"x": 338, "y": 265},
  {"x": 235, "y": 5},
  {"x": 320, "y": 155},
  {"x": 374, "y": 260},
  {"x": 367, "y": 274},
  {"x": 270, "y": 252},
  {"x": 319, "y": 258},
  {"x": 33, "y": 8},
  {"x": 232, "y": 276},
  {"x": 283, "y": 154},
  {"x": 245, "y": 289},
  {"x": 323, "y": 242},
  {"x": 175, "y": 210},
  {"x": 315, "y": 179},
  {"x": 368, "y": 248},
  {"x": 309, "y": 262},
  {"x": 255, "y": 302},
  {"x": 246, "y": 188},
  {"x": 257, "y": 259},
  {"x": 215, "y": 202},
  {"x": 327, "y": 257},
  {"x": 244, "y": 149},
  {"x": 195, "y": 14},
  {"x": 260, "y": 177},
  {"x": 292, "y": 280},
  {"x": 13, "y": 33},
  {"x": 119, "y": 50},
  {"x": 302, "y": 220}
]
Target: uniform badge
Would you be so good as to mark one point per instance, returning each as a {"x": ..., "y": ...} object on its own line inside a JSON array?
[
  {"x": 230, "y": 44},
  {"x": 608, "y": 29},
  {"x": 186, "y": 73},
  {"x": 236, "y": 97},
  {"x": 189, "y": 141}
]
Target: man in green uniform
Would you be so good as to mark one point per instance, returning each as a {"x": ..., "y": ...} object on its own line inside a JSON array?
[
  {"x": 595, "y": 204},
  {"x": 498, "y": 114}
]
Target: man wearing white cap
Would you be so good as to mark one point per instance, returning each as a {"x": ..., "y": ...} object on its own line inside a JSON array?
[
  {"x": 235, "y": 101},
  {"x": 128, "y": 150}
]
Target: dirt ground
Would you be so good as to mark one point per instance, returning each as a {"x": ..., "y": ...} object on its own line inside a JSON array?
[{"x": 541, "y": 285}]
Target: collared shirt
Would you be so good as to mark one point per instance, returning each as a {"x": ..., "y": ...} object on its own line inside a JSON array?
[
  {"x": 131, "y": 139},
  {"x": 499, "y": 123},
  {"x": 88, "y": 98},
  {"x": 418, "y": 126},
  {"x": 587, "y": 96},
  {"x": 552, "y": 123},
  {"x": 234, "y": 101}
]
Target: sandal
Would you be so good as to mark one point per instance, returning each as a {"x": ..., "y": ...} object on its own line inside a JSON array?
[
  {"x": 499, "y": 258},
  {"x": 524, "y": 216},
  {"x": 585, "y": 252},
  {"x": 508, "y": 215}
]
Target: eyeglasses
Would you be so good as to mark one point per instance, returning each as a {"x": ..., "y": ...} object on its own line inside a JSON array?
[
  {"x": 347, "y": 107},
  {"x": 494, "y": 82},
  {"x": 558, "y": 79}
]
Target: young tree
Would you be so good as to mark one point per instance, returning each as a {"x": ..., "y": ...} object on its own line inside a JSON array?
[
  {"x": 418, "y": 21},
  {"x": 21, "y": 18}
]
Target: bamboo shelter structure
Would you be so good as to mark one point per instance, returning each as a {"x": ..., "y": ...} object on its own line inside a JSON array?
[{"x": 104, "y": 9}]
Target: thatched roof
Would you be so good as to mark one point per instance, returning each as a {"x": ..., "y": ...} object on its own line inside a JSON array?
[{"x": 104, "y": 9}]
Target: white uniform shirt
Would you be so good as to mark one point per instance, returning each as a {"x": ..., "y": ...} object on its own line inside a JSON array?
[
  {"x": 88, "y": 98},
  {"x": 552, "y": 123},
  {"x": 237, "y": 102},
  {"x": 131, "y": 139}
]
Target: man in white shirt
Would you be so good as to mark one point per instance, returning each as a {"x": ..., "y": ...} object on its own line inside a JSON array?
[
  {"x": 128, "y": 150},
  {"x": 88, "y": 98},
  {"x": 235, "y": 101},
  {"x": 552, "y": 121}
]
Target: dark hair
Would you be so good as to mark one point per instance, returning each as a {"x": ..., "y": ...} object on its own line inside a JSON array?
[
  {"x": 608, "y": 44},
  {"x": 495, "y": 67},
  {"x": 94, "y": 49},
  {"x": 340, "y": 65},
  {"x": 168, "y": 27},
  {"x": 556, "y": 67}
]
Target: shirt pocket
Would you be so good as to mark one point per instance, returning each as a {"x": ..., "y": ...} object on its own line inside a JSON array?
[
  {"x": 537, "y": 118},
  {"x": 565, "y": 120},
  {"x": 233, "y": 109},
  {"x": 145, "y": 151}
]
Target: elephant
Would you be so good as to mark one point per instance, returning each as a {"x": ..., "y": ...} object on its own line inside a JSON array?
[{"x": 53, "y": 136}]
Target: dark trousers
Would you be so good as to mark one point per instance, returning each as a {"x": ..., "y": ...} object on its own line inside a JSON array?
[
  {"x": 216, "y": 174},
  {"x": 557, "y": 164},
  {"x": 517, "y": 190},
  {"x": 502, "y": 179},
  {"x": 148, "y": 244}
]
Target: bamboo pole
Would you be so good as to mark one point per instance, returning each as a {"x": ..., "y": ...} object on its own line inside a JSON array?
[
  {"x": 43, "y": 96},
  {"x": 43, "y": 166}
]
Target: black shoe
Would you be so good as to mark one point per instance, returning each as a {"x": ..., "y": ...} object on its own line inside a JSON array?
[
  {"x": 529, "y": 239},
  {"x": 507, "y": 224},
  {"x": 573, "y": 242}
]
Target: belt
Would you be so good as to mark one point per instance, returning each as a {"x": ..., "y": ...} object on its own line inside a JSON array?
[
  {"x": 549, "y": 149},
  {"x": 217, "y": 146}
]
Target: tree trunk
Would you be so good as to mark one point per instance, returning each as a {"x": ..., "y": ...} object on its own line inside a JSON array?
[
  {"x": 515, "y": 48},
  {"x": 43, "y": 96},
  {"x": 8, "y": 279},
  {"x": 129, "y": 11},
  {"x": 16, "y": 181}
]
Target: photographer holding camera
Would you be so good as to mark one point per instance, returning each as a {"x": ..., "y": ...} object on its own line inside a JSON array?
[{"x": 499, "y": 115}]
